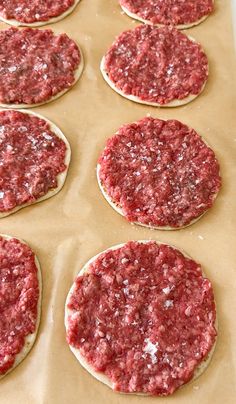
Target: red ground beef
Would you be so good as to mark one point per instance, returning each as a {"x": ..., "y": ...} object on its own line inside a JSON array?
[
  {"x": 19, "y": 295},
  {"x": 144, "y": 316},
  {"x": 160, "y": 173},
  {"x": 171, "y": 12},
  {"x": 31, "y": 158},
  {"x": 35, "y": 65},
  {"x": 34, "y": 10},
  {"x": 157, "y": 65}
]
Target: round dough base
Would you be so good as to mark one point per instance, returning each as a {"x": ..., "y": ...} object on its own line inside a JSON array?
[
  {"x": 30, "y": 339},
  {"x": 16, "y": 23},
  {"x": 171, "y": 104},
  {"x": 60, "y": 178},
  {"x": 100, "y": 376},
  {"x": 77, "y": 75},
  {"x": 180, "y": 26}
]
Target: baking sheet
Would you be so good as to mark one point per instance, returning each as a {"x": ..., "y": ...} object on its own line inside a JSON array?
[{"x": 76, "y": 224}]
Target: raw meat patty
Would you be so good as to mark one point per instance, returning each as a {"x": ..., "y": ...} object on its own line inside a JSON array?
[
  {"x": 159, "y": 173},
  {"x": 182, "y": 14},
  {"x": 36, "y": 66},
  {"x": 34, "y": 157},
  {"x": 20, "y": 301},
  {"x": 156, "y": 66},
  {"x": 34, "y": 13},
  {"x": 141, "y": 317}
]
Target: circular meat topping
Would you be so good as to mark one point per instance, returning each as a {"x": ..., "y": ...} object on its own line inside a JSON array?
[
  {"x": 35, "y": 65},
  {"x": 31, "y": 157},
  {"x": 171, "y": 12},
  {"x": 143, "y": 315},
  {"x": 160, "y": 173},
  {"x": 34, "y": 10},
  {"x": 156, "y": 65},
  {"x": 19, "y": 295}
]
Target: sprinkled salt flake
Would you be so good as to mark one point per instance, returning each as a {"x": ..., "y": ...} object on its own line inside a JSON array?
[
  {"x": 37, "y": 16},
  {"x": 47, "y": 136},
  {"x": 168, "y": 304},
  {"x": 124, "y": 260},
  {"x": 125, "y": 282},
  {"x": 12, "y": 69},
  {"x": 22, "y": 129},
  {"x": 170, "y": 70},
  {"x": 166, "y": 290},
  {"x": 201, "y": 237},
  {"x": 1, "y": 194},
  {"x": 151, "y": 349},
  {"x": 126, "y": 291}
]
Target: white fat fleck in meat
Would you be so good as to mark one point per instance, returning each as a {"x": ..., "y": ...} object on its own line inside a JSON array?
[
  {"x": 151, "y": 349},
  {"x": 188, "y": 311},
  {"x": 168, "y": 304},
  {"x": 1, "y": 195}
]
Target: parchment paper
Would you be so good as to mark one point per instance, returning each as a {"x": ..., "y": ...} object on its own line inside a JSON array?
[{"x": 71, "y": 227}]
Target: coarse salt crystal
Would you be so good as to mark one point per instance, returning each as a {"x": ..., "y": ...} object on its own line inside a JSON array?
[
  {"x": 12, "y": 69},
  {"x": 151, "y": 349},
  {"x": 166, "y": 290},
  {"x": 168, "y": 303}
]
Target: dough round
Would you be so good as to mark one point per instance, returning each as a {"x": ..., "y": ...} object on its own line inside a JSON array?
[
  {"x": 93, "y": 293},
  {"x": 45, "y": 130},
  {"x": 32, "y": 313},
  {"x": 35, "y": 17},
  {"x": 159, "y": 174},
  {"x": 37, "y": 66},
  {"x": 156, "y": 66},
  {"x": 181, "y": 14}
]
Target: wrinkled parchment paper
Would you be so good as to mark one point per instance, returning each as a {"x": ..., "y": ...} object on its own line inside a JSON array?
[{"x": 76, "y": 224}]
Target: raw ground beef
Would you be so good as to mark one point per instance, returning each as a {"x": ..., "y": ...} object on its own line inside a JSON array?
[
  {"x": 160, "y": 173},
  {"x": 19, "y": 295},
  {"x": 31, "y": 158},
  {"x": 169, "y": 12},
  {"x": 143, "y": 315},
  {"x": 34, "y": 10},
  {"x": 35, "y": 65},
  {"x": 156, "y": 65}
]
